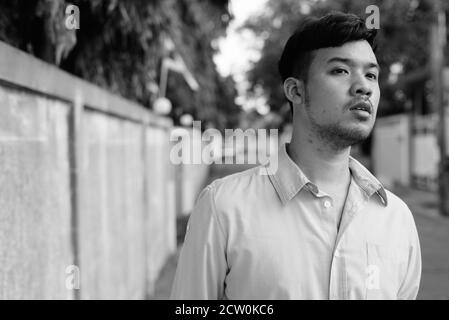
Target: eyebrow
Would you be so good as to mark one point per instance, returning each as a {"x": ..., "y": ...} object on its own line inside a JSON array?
[{"x": 351, "y": 62}]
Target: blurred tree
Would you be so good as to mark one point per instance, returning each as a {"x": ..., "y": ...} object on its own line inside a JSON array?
[
  {"x": 119, "y": 46},
  {"x": 403, "y": 38}
]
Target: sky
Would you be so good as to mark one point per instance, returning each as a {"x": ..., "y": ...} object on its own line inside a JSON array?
[{"x": 238, "y": 49}]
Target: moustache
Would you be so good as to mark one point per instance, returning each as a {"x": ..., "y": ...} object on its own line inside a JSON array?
[{"x": 362, "y": 104}]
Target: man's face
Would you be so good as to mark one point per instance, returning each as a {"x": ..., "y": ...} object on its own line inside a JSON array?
[{"x": 342, "y": 93}]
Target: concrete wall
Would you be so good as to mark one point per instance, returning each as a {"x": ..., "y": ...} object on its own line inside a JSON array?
[
  {"x": 162, "y": 212},
  {"x": 191, "y": 174},
  {"x": 85, "y": 181},
  {"x": 111, "y": 228},
  {"x": 35, "y": 207}
]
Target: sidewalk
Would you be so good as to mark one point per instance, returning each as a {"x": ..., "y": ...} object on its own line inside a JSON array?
[{"x": 433, "y": 231}]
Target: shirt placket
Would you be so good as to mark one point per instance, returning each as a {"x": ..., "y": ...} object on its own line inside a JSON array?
[
  {"x": 338, "y": 286},
  {"x": 329, "y": 225}
]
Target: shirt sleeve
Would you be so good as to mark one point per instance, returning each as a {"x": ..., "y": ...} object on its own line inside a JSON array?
[
  {"x": 410, "y": 285},
  {"x": 202, "y": 265}
]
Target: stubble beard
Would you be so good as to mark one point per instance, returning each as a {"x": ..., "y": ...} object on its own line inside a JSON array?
[{"x": 336, "y": 135}]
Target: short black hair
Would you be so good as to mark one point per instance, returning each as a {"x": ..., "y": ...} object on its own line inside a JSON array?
[{"x": 332, "y": 30}]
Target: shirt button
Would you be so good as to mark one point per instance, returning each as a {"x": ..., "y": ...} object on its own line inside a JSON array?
[{"x": 327, "y": 204}]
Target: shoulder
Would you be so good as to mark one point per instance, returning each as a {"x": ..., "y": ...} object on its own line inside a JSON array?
[
  {"x": 233, "y": 185},
  {"x": 397, "y": 204},
  {"x": 400, "y": 210},
  {"x": 238, "y": 188}
]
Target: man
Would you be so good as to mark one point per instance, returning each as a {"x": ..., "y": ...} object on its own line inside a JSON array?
[{"x": 321, "y": 226}]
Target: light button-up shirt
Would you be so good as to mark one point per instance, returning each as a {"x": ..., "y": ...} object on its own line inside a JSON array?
[{"x": 275, "y": 236}]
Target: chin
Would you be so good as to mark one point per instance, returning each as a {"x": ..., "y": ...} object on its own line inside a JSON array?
[
  {"x": 355, "y": 134},
  {"x": 343, "y": 135},
  {"x": 346, "y": 136}
]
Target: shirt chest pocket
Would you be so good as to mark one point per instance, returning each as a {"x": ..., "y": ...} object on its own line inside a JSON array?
[{"x": 383, "y": 271}]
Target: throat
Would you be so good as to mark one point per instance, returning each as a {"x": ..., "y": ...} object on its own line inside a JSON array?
[{"x": 323, "y": 169}]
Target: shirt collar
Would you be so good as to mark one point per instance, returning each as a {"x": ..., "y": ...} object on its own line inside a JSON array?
[{"x": 289, "y": 179}]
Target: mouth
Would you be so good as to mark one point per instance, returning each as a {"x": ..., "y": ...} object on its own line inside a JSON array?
[{"x": 362, "y": 107}]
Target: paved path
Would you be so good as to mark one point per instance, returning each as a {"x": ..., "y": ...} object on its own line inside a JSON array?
[{"x": 433, "y": 231}]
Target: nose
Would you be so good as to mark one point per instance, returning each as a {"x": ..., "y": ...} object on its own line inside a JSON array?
[{"x": 361, "y": 87}]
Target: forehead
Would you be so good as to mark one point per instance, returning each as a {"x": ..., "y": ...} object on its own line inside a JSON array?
[{"x": 360, "y": 52}]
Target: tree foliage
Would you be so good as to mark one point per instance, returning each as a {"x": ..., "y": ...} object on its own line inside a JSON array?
[{"x": 119, "y": 46}]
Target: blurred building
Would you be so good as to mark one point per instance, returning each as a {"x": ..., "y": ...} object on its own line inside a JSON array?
[{"x": 405, "y": 147}]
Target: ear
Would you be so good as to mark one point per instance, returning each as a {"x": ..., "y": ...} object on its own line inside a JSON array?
[{"x": 294, "y": 90}]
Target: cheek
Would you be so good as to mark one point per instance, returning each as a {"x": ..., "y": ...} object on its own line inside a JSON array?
[
  {"x": 323, "y": 93},
  {"x": 376, "y": 98}
]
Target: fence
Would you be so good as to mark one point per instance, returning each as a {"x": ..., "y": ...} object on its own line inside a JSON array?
[{"x": 87, "y": 191}]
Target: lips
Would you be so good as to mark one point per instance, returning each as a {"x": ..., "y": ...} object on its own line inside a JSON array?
[{"x": 363, "y": 106}]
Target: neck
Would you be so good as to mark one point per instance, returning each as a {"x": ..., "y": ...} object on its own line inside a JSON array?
[{"x": 322, "y": 164}]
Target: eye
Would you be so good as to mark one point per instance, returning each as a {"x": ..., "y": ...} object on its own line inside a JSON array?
[
  {"x": 339, "y": 71},
  {"x": 372, "y": 76}
]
